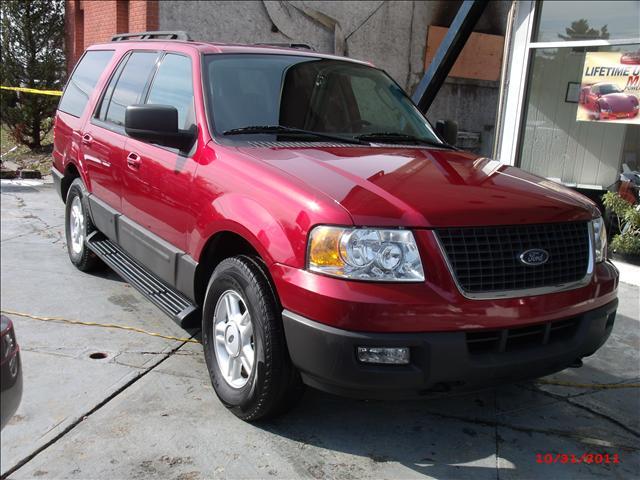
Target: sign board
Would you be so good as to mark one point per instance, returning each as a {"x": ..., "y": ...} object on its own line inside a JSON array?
[
  {"x": 480, "y": 59},
  {"x": 610, "y": 88}
]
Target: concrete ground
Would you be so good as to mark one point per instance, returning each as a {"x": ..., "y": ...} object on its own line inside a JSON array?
[{"x": 148, "y": 409}]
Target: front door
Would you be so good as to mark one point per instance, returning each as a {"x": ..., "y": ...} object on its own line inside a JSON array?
[{"x": 157, "y": 180}]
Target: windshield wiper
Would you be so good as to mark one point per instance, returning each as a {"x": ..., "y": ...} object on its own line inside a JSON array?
[
  {"x": 394, "y": 137},
  {"x": 293, "y": 131}
]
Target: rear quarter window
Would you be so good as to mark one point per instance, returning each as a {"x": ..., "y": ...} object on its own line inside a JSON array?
[{"x": 83, "y": 81}]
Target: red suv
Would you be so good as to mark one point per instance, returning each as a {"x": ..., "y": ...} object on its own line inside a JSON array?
[{"x": 303, "y": 207}]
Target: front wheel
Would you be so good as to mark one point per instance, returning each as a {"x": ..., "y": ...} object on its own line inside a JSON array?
[
  {"x": 597, "y": 115},
  {"x": 244, "y": 343}
]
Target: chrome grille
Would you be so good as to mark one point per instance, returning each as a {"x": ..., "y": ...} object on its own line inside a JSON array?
[{"x": 486, "y": 259}]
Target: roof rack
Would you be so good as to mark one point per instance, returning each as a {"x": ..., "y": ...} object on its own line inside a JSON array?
[
  {"x": 167, "y": 35},
  {"x": 299, "y": 46}
]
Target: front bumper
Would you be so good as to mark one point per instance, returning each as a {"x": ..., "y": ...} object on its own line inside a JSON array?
[
  {"x": 441, "y": 361},
  {"x": 618, "y": 115}
]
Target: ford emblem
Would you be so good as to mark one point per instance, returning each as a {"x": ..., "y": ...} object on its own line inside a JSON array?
[{"x": 534, "y": 257}]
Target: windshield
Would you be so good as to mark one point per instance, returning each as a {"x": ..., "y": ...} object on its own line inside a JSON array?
[
  {"x": 609, "y": 88},
  {"x": 340, "y": 98}
]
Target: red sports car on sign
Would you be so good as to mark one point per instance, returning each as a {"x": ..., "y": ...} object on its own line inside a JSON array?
[
  {"x": 607, "y": 101},
  {"x": 630, "y": 58}
]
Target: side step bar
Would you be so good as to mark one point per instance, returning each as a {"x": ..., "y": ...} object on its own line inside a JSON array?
[{"x": 171, "y": 302}]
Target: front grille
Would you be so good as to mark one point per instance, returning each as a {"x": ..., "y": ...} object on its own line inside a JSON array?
[
  {"x": 487, "y": 259},
  {"x": 521, "y": 338}
]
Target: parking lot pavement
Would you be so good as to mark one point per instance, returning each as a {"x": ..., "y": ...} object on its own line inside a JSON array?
[{"x": 147, "y": 409}]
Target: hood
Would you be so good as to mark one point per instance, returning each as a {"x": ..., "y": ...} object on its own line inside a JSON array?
[
  {"x": 381, "y": 186},
  {"x": 619, "y": 101}
]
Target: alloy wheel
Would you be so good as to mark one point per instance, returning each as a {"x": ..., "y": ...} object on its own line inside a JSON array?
[
  {"x": 234, "y": 343},
  {"x": 76, "y": 225}
]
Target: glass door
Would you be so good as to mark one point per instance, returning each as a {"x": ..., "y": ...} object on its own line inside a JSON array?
[{"x": 541, "y": 132}]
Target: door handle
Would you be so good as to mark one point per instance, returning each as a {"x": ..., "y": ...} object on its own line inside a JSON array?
[
  {"x": 87, "y": 139},
  {"x": 133, "y": 161}
]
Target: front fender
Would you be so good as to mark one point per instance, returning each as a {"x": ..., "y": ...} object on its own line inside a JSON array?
[{"x": 246, "y": 217}]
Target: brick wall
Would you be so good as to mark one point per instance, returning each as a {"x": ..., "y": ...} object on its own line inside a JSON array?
[
  {"x": 95, "y": 21},
  {"x": 143, "y": 15}
]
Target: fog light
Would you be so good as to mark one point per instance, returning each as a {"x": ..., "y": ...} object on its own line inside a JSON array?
[{"x": 395, "y": 356}]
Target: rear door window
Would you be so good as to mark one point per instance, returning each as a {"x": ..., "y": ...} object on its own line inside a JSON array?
[
  {"x": 83, "y": 81},
  {"x": 173, "y": 85},
  {"x": 129, "y": 83}
]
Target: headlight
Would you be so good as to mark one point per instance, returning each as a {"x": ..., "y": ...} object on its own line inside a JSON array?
[
  {"x": 365, "y": 254},
  {"x": 599, "y": 239}
]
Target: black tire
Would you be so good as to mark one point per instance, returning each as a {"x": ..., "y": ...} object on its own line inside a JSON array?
[
  {"x": 84, "y": 259},
  {"x": 273, "y": 386}
]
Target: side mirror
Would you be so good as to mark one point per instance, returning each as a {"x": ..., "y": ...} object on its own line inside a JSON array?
[
  {"x": 448, "y": 131},
  {"x": 157, "y": 124}
]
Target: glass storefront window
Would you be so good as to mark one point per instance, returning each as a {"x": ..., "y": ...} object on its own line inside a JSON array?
[
  {"x": 557, "y": 146},
  {"x": 573, "y": 21}
]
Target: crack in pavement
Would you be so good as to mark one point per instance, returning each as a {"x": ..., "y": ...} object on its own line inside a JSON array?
[
  {"x": 551, "y": 432},
  {"x": 41, "y": 230},
  {"x": 591, "y": 391},
  {"x": 82, "y": 417},
  {"x": 21, "y": 203},
  {"x": 591, "y": 411}
]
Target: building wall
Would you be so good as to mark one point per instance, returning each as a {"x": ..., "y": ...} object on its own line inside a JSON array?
[
  {"x": 391, "y": 34},
  {"x": 95, "y": 21}
]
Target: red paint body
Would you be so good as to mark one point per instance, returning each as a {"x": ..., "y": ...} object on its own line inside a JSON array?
[
  {"x": 273, "y": 197},
  {"x": 630, "y": 58}
]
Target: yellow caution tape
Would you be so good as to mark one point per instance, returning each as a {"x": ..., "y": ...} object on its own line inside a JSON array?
[
  {"x": 55, "y": 93},
  {"x": 95, "y": 324}
]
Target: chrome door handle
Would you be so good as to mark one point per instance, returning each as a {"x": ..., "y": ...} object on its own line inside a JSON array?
[
  {"x": 87, "y": 139},
  {"x": 133, "y": 161}
]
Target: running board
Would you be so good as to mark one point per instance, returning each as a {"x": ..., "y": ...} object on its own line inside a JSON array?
[{"x": 171, "y": 302}]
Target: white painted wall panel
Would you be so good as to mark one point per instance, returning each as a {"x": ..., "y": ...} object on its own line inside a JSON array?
[{"x": 555, "y": 145}]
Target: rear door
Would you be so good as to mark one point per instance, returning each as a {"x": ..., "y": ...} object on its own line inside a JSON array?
[
  {"x": 103, "y": 139},
  {"x": 71, "y": 116},
  {"x": 157, "y": 179}
]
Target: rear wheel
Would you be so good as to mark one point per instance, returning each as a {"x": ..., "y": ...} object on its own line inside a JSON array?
[
  {"x": 244, "y": 344},
  {"x": 78, "y": 226}
]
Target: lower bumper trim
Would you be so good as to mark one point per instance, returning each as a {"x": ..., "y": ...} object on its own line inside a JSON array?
[{"x": 439, "y": 361}]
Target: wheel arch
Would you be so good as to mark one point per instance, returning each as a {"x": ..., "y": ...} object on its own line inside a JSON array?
[
  {"x": 223, "y": 244},
  {"x": 234, "y": 224},
  {"x": 71, "y": 172}
]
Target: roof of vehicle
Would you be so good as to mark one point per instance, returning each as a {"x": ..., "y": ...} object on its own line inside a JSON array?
[{"x": 214, "y": 47}]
